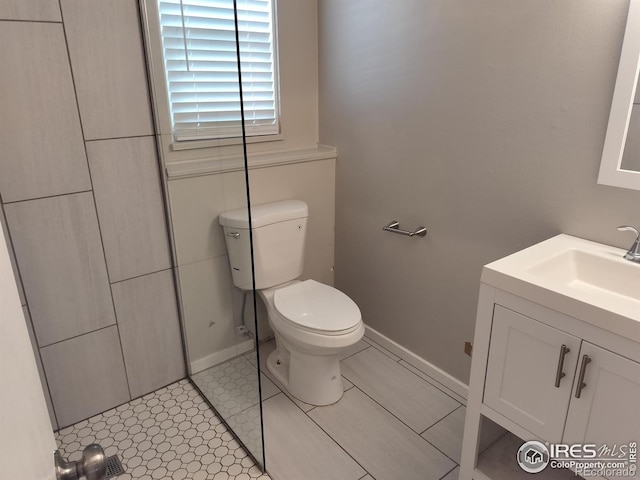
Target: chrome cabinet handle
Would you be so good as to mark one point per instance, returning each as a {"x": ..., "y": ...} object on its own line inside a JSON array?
[
  {"x": 233, "y": 234},
  {"x": 583, "y": 369},
  {"x": 559, "y": 373},
  {"x": 395, "y": 228}
]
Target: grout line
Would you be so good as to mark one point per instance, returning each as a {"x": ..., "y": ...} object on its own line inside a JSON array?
[
  {"x": 164, "y": 187},
  {"x": 123, "y": 137},
  {"x": 457, "y": 465},
  {"x": 437, "y": 385},
  {"x": 283, "y": 389},
  {"x": 338, "y": 444},
  {"x": 387, "y": 410},
  {"x": 95, "y": 206},
  {"x": 18, "y": 20},
  {"x": 435, "y": 446},
  {"x": 388, "y": 353},
  {"x": 395, "y": 416},
  {"x": 285, "y": 392},
  {"x": 48, "y": 196},
  {"x": 117, "y": 406},
  {"x": 80, "y": 335},
  {"x": 355, "y": 353},
  {"x": 374, "y": 400},
  {"x": 140, "y": 276},
  {"x": 431, "y": 426},
  {"x": 18, "y": 274},
  {"x": 208, "y": 259}
]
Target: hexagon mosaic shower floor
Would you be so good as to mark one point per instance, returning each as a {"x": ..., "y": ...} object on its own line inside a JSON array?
[{"x": 170, "y": 433}]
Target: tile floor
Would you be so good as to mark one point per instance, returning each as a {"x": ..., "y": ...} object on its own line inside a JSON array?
[
  {"x": 232, "y": 387},
  {"x": 393, "y": 423},
  {"x": 171, "y": 433}
]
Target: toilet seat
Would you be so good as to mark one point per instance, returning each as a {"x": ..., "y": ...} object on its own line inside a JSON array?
[{"x": 317, "y": 308}]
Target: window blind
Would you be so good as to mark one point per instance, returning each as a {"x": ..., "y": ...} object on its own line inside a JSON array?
[{"x": 199, "y": 46}]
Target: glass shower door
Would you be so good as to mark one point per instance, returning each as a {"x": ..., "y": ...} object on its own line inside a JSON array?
[{"x": 194, "y": 67}]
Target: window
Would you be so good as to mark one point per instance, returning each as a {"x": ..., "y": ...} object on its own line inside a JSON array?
[{"x": 200, "y": 62}]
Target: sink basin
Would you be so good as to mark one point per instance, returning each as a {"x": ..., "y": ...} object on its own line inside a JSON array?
[
  {"x": 597, "y": 274},
  {"x": 583, "y": 279}
]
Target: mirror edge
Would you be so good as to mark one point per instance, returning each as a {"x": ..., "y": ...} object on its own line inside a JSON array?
[{"x": 621, "y": 105}]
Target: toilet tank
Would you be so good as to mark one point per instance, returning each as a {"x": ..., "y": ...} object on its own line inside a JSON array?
[{"x": 279, "y": 234}]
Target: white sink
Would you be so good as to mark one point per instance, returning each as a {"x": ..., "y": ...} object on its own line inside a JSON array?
[
  {"x": 576, "y": 277},
  {"x": 597, "y": 273}
]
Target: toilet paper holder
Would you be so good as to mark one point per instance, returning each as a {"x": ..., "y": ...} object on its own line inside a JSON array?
[{"x": 394, "y": 227}]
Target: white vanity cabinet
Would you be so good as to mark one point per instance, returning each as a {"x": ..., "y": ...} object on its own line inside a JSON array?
[
  {"x": 523, "y": 380},
  {"x": 548, "y": 366},
  {"x": 558, "y": 387}
]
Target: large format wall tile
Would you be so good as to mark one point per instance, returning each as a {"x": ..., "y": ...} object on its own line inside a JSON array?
[
  {"x": 12, "y": 258},
  {"x": 196, "y": 204},
  {"x": 43, "y": 378},
  {"x": 129, "y": 200},
  {"x": 86, "y": 375},
  {"x": 34, "y": 10},
  {"x": 149, "y": 331},
  {"x": 41, "y": 147},
  {"x": 314, "y": 183},
  {"x": 206, "y": 302},
  {"x": 105, "y": 46},
  {"x": 57, "y": 245}
]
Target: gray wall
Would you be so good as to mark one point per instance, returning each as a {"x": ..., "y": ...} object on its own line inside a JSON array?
[
  {"x": 82, "y": 203},
  {"x": 485, "y": 122}
]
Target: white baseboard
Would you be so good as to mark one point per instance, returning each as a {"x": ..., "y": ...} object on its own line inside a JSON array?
[
  {"x": 420, "y": 363},
  {"x": 221, "y": 356}
]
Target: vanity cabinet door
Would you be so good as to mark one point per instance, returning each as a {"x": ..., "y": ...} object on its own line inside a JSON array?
[
  {"x": 608, "y": 410},
  {"x": 524, "y": 381}
]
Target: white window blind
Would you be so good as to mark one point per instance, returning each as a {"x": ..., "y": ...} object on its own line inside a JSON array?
[{"x": 199, "y": 46}]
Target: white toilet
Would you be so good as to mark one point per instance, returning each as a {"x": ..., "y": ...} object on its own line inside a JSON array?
[{"x": 312, "y": 322}]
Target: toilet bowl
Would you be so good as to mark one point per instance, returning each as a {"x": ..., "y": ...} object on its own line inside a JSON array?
[{"x": 313, "y": 323}]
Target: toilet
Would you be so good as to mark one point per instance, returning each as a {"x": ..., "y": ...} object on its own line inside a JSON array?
[{"x": 313, "y": 323}]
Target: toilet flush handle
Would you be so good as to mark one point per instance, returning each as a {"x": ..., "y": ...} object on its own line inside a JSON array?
[{"x": 234, "y": 234}]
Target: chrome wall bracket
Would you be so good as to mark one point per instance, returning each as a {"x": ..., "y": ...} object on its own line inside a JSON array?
[{"x": 395, "y": 228}]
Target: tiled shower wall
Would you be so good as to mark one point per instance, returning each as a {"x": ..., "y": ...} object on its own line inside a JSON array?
[{"x": 82, "y": 203}]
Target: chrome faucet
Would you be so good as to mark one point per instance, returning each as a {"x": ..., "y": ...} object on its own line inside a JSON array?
[{"x": 633, "y": 254}]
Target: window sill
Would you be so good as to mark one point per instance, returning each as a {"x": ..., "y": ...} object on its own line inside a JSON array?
[
  {"x": 235, "y": 163},
  {"x": 222, "y": 142}
]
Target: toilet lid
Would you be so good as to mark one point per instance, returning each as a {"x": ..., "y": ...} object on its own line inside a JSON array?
[{"x": 317, "y": 306}]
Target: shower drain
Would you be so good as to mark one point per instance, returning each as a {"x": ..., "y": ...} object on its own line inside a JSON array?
[{"x": 114, "y": 467}]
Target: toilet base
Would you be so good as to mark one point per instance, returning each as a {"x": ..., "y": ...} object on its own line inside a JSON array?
[{"x": 313, "y": 379}]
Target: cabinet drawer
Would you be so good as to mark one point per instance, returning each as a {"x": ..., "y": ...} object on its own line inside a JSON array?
[{"x": 523, "y": 380}]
